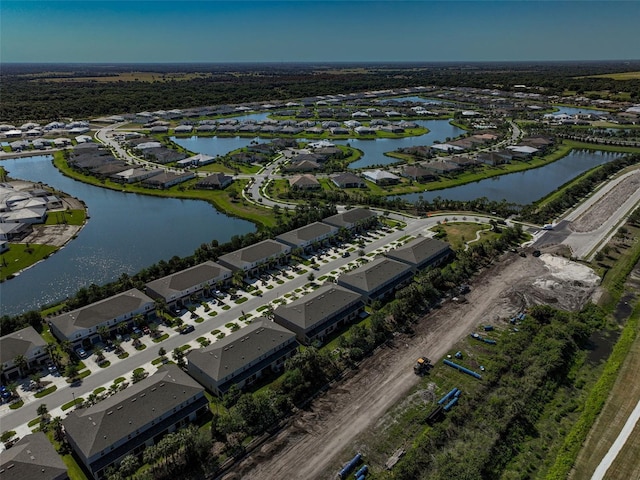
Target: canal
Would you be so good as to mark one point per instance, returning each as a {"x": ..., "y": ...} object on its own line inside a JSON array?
[{"x": 523, "y": 187}]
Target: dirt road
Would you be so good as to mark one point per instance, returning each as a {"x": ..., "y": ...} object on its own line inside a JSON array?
[{"x": 321, "y": 438}]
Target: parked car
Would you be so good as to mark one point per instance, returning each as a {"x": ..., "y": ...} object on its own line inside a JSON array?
[
  {"x": 187, "y": 329},
  {"x": 51, "y": 367},
  {"x": 146, "y": 330},
  {"x": 136, "y": 330},
  {"x": 345, "y": 254},
  {"x": 81, "y": 353}
]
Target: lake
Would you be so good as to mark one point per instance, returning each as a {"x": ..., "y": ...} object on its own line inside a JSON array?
[
  {"x": 374, "y": 149},
  {"x": 126, "y": 232},
  {"x": 527, "y": 186}
]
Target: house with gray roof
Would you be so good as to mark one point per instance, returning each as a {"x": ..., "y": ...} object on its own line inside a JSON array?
[
  {"x": 125, "y": 423},
  {"x": 215, "y": 181},
  {"x": 26, "y": 342},
  {"x": 14, "y": 231},
  {"x": 317, "y": 314},
  {"x": 242, "y": 356},
  {"x": 81, "y": 325},
  {"x": 377, "y": 279},
  {"x": 422, "y": 252},
  {"x": 347, "y": 180},
  {"x": 168, "y": 179},
  {"x": 32, "y": 458},
  {"x": 353, "y": 219},
  {"x": 309, "y": 236},
  {"x": 380, "y": 177},
  {"x": 251, "y": 258},
  {"x": 196, "y": 280}
]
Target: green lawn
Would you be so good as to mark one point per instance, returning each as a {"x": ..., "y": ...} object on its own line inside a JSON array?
[
  {"x": 69, "y": 217},
  {"x": 19, "y": 257}
]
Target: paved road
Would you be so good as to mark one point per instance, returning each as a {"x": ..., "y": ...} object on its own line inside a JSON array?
[
  {"x": 585, "y": 244},
  {"x": 618, "y": 444},
  {"x": 100, "y": 377}
]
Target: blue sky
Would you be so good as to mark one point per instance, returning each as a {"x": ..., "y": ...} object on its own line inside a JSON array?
[{"x": 317, "y": 31}]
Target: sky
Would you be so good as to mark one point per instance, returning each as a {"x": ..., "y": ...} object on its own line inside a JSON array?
[{"x": 163, "y": 31}]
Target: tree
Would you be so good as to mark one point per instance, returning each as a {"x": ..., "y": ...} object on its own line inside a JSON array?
[
  {"x": 42, "y": 410},
  {"x": 71, "y": 371},
  {"x": 138, "y": 375},
  {"x": 103, "y": 331},
  {"x": 56, "y": 425},
  {"x": 178, "y": 356},
  {"x": 36, "y": 378},
  {"x": 21, "y": 362},
  {"x": 162, "y": 352},
  {"x": 129, "y": 465},
  {"x": 311, "y": 277}
]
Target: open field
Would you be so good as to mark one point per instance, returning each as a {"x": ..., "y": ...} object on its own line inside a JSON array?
[
  {"x": 120, "y": 77},
  {"x": 618, "y": 76}
]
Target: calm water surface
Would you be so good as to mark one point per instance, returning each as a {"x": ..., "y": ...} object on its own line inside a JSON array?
[
  {"x": 126, "y": 232},
  {"x": 524, "y": 187},
  {"x": 374, "y": 149}
]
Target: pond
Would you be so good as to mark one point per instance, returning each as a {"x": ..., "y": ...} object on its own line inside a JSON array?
[
  {"x": 373, "y": 149},
  {"x": 126, "y": 232},
  {"x": 527, "y": 186}
]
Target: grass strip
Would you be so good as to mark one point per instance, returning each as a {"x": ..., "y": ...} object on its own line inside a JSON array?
[
  {"x": 595, "y": 401},
  {"x": 45, "y": 392}
]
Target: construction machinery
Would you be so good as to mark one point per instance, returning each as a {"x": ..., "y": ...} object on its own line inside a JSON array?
[{"x": 422, "y": 366}]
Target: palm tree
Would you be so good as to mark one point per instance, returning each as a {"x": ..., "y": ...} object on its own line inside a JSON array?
[
  {"x": 22, "y": 363},
  {"x": 238, "y": 278},
  {"x": 56, "y": 425},
  {"x": 35, "y": 378},
  {"x": 103, "y": 331},
  {"x": 42, "y": 410}
]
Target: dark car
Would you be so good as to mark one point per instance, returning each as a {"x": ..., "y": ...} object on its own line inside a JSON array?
[
  {"x": 345, "y": 254},
  {"x": 187, "y": 329},
  {"x": 81, "y": 353}
]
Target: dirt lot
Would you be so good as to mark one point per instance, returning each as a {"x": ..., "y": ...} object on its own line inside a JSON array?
[
  {"x": 607, "y": 205},
  {"x": 320, "y": 439}
]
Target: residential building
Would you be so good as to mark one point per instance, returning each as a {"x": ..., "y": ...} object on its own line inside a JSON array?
[
  {"x": 418, "y": 173},
  {"x": 251, "y": 258},
  {"x": 353, "y": 219},
  {"x": 174, "y": 289},
  {"x": 26, "y": 342},
  {"x": 377, "y": 279},
  {"x": 242, "y": 356},
  {"x": 317, "y": 314},
  {"x": 134, "y": 418},
  {"x": 422, "y": 252},
  {"x": 168, "y": 179},
  {"x": 215, "y": 181},
  {"x": 81, "y": 325},
  {"x": 380, "y": 177},
  {"x": 347, "y": 180},
  {"x": 309, "y": 236},
  {"x": 304, "y": 182},
  {"x": 32, "y": 458}
]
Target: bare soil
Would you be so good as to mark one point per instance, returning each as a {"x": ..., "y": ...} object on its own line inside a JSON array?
[
  {"x": 320, "y": 439},
  {"x": 607, "y": 205}
]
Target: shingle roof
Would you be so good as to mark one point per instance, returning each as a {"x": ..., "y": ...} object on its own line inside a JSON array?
[
  {"x": 32, "y": 458},
  {"x": 99, "y": 312},
  {"x": 253, "y": 253},
  {"x": 374, "y": 274},
  {"x": 183, "y": 280},
  {"x": 350, "y": 217},
  {"x": 307, "y": 233},
  {"x": 419, "y": 251},
  {"x": 314, "y": 308},
  {"x": 96, "y": 428},
  {"x": 240, "y": 348},
  {"x": 19, "y": 343}
]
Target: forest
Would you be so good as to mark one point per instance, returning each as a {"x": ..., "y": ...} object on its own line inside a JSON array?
[{"x": 39, "y": 92}]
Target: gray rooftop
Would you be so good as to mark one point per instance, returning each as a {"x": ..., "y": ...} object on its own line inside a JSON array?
[
  {"x": 420, "y": 250},
  {"x": 32, "y": 458},
  {"x": 188, "y": 278},
  {"x": 350, "y": 217},
  {"x": 315, "y": 307},
  {"x": 19, "y": 343},
  {"x": 96, "y": 428},
  {"x": 374, "y": 274},
  {"x": 309, "y": 232},
  {"x": 100, "y": 312},
  {"x": 253, "y": 253},
  {"x": 240, "y": 348}
]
